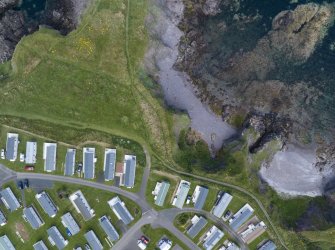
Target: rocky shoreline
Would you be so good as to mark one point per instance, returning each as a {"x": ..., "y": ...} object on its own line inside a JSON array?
[
  {"x": 62, "y": 15},
  {"x": 179, "y": 93},
  {"x": 237, "y": 79}
]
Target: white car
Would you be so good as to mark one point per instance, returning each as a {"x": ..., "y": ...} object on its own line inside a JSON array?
[
  {"x": 2, "y": 154},
  {"x": 21, "y": 157}
]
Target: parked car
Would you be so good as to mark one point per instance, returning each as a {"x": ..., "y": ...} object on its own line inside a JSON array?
[
  {"x": 29, "y": 168},
  {"x": 144, "y": 239},
  {"x": 3, "y": 154},
  {"x": 87, "y": 247},
  {"x": 20, "y": 184},
  {"x": 26, "y": 183},
  {"x": 21, "y": 157}
]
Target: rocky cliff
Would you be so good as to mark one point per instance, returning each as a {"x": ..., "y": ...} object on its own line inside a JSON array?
[
  {"x": 62, "y": 15},
  {"x": 262, "y": 62}
]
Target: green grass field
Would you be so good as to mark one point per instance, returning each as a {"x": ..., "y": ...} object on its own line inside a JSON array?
[
  {"x": 90, "y": 77},
  {"x": 97, "y": 200},
  {"x": 155, "y": 234}
]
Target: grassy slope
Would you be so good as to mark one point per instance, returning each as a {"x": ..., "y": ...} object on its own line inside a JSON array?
[
  {"x": 98, "y": 201},
  {"x": 88, "y": 78}
]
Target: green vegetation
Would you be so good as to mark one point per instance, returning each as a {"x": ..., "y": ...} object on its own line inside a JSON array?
[
  {"x": 155, "y": 234},
  {"x": 59, "y": 194},
  {"x": 320, "y": 239},
  {"x": 95, "y": 79}
]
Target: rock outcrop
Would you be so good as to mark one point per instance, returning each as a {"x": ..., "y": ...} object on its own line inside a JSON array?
[{"x": 62, "y": 15}]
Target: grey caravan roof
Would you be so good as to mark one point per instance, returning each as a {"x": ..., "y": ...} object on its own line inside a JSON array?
[
  {"x": 269, "y": 245},
  {"x": 50, "y": 158},
  {"x": 2, "y": 218},
  {"x": 47, "y": 204},
  {"x": 123, "y": 213},
  {"x": 202, "y": 198},
  {"x": 93, "y": 240},
  {"x": 56, "y": 237},
  {"x": 70, "y": 223},
  {"x": 89, "y": 165},
  {"x": 40, "y": 246},
  {"x": 70, "y": 162},
  {"x": 84, "y": 210},
  {"x": 197, "y": 227},
  {"x": 108, "y": 228},
  {"x": 110, "y": 165},
  {"x": 162, "y": 193},
  {"x": 241, "y": 219},
  {"x": 5, "y": 243},
  {"x": 33, "y": 217},
  {"x": 10, "y": 148},
  {"x": 8, "y": 195},
  {"x": 213, "y": 239},
  {"x": 222, "y": 205},
  {"x": 130, "y": 171}
]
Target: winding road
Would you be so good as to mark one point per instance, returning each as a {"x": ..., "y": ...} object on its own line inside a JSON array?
[{"x": 162, "y": 218}]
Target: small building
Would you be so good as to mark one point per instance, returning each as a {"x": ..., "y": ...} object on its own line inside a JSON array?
[
  {"x": 181, "y": 194},
  {"x": 241, "y": 217},
  {"x": 160, "y": 192},
  {"x": 109, "y": 164},
  {"x": 81, "y": 205},
  {"x": 71, "y": 226},
  {"x": 199, "y": 196},
  {"x": 164, "y": 244},
  {"x": 108, "y": 228},
  {"x": 119, "y": 170},
  {"x": 49, "y": 156},
  {"x": 221, "y": 204},
  {"x": 89, "y": 163},
  {"x": 120, "y": 210},
  {"x": 47, "y": 204},
  {"x": 198, "y": 223},
  {"x": 40, "y": 245},
  {"x": 31, "y": 152},
  {"x": 129, "y": 171},
  {"x": 3, "y": 220},
  {"x": 268, "y": 245},
  {"x": 213, "y": 236},
  {"x": 252, "y": 231},
  {"x": 12, "y": 145},
  {"x": 70, "y": 161},
  {"x": 93, "y": 240},
  {"x": 31, "y": 215},
  {"x": 56, "y": 239},
  {"x": 5, "y": 243},
  {"x": 9, "y": 199}
]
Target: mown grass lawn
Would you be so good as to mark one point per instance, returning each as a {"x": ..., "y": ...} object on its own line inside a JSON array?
[
  {"x": 155, "y": 234},
  {"x": 96, "y": 198}
]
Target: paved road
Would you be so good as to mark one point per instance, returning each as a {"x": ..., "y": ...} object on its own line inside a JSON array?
[
  {"x": 162, "y": 219},
  {"x": 146, "y": 174},
  {"x": 6, "y": 174},
  {"x": 156, "y": 220},
  {"x": 134, "y": 197}
]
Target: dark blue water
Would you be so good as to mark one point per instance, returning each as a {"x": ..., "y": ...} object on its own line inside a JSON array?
[
  {"x": 318, "y": 71},
  {"x": 33, "y": 9}
]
